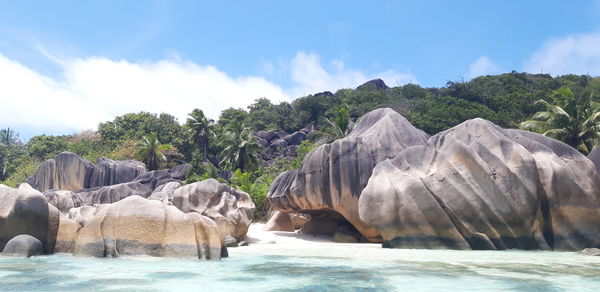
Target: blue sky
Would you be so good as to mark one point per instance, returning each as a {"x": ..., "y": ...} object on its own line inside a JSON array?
[{"x": 67, "y": 65}]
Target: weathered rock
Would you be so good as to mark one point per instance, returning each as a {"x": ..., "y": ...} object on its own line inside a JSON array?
[
  {"x": 298, "y": 219},
  {"x": 67, "y": 171},
  {"x": 136, "y": 226},
  {"x": 374, "y": 84},
  {"x": 164, "y": 193},
  {"x": 332, "y": 176},
  {"x": 590, "y": 251},
  {"x": 114, "y": 193},
  {"x": 279, "y": 221},
  {"x": 26, "y": 211},
  {"x": 107, "y": 172},
  {"x": 278, "y": 144},
  {"x": 346, "y": 234},
  {"x": 322, "y": 226},
  {"x": 84, "y": 214},
  {"x": 63, "y": 200},
  {"x": 67, "y": 234},
  {"x": 295, "y": 138},
  {"x": 594, "y": 156},
  {"x": 230, "y": 241},
  {"x": 483, "y": 187},
  {"x": 231, "y": 209},
  {"x": 23, "y": 245}
]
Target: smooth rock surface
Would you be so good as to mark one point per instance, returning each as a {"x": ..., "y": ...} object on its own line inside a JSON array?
[
  {"x": 478, "y": 186},
  {"x": 333, "y": 176},
  {"x": 109, "y": 172},
  {"x": 232, "y": 209},
  {"x": 279, "y": 221},
  {"x": 137, "y": 226},
  {"x": 23, "y": 245},
  {"x": 67, "y": 235},
  {"x": 67, "y": 171},
  {"x": 114, "y": 193},
  {"x": 26, "y": 211},
  {"x": 63, "y": 200}
]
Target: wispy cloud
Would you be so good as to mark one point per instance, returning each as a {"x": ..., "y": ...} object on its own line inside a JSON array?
[
  {"x": 482, "y": 66},
  {"x": 576, "y": 54}
]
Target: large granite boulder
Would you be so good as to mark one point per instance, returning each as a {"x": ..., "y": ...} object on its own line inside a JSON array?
[
  {"x": 279, "y": 221},
  {"x": 333, "y": 176},
  {"x": 114, "y": 193},
  {"x": 137, "y": 226},
  {"x": 230, "y": 208},
  {"x": 164, "y": 193},
  {"x": 67, "y": 235},
  {"x": 63, "y": 200},
  {"x": 109, "y": 172},
  {"x": 67, "y": 171},
  {"x": 478, "y": 186},
  {"x": 26, "y": 211},
  {"x": 84, "y": 214},
  {"x": 594, "y": 156},
  {"x": 23, "y": 245}
]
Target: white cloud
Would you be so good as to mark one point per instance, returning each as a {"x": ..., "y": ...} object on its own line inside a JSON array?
[
  {"x": 482, "y": 66},
  {"x": 576, "y": 54},
  {"x": 310, "y": 76},
  {"x": 95, "y": 89}
]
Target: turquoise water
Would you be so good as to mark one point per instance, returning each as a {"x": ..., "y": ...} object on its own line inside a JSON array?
[{"x": 409, "y": 270}]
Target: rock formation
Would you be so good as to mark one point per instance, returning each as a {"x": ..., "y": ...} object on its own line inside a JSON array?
[
  {"x": 480, "y": 186},
  {"x": 279, "y": 221},
  {"x": 137, "y": 226},
  {"x": 332, "y": 177},
  {"x": 23, "y": 246},
  {"x": 231, "y": 209},
  {"x": 66, "y": 171},
  {"x": 26, "y": 211}
]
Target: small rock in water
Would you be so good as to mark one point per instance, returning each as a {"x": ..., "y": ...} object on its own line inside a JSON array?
[
  {"x": 590, "y": 251},
  {"x": 272, "y": 242},
  {"x": 23, "y": 246},
  {"x": 243, "y": 243},
  {"x": 230, "y": 241}
]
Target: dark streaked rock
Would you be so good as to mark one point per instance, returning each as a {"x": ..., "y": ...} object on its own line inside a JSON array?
[{"x": 23, "y": 245}]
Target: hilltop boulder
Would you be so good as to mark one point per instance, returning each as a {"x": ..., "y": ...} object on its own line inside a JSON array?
[
  {"x": 333, "y": 176},
  {"x": 136, "y": 226},
  {"x": 109, "y": 172},
  {"x": 66, "y": 171},
  {"x": 230, "y": 208},
  {"x": 478, "y": 186}
]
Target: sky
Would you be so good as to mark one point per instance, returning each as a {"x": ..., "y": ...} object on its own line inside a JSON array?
[{"x": 65, "y": 66}]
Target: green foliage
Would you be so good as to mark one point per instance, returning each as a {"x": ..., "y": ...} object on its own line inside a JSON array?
[
  {"x": 572, "y": 119},
  {"x": 206, "y": 171},
  {"x": 150, "y": 151},
  {"x": 200, "y": 129},
  {"x": 134, "y": 126},
  {"x": 240, "y": 148},
  {"x": 9, "y": 137},
  {"x": 43, "y": 147}
]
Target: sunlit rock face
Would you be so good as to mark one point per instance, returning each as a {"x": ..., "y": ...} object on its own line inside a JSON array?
[
  {"x": 480, "y": 186},
  {"x": 26, "y": 211},
  {"x": 68, "y": 171},
  {"x": 231, "y": 209},
  {"x": 137, "y": 226},
  {"x": 332, "y": 177}
]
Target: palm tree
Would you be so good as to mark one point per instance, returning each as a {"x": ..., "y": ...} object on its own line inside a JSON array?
[
  {"x": 149, "y": 151},
  {"x": 241, "y": 147},
  {"x": 200, "y": 128},
  {"x": 8, "y": 137},
  {"x": 573, "y": 120},
  {"x": 341, "y": 122}
]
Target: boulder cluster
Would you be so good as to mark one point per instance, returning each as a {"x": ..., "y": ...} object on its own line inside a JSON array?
[
  {"x": 114, "y": 208},
  {"x": 474, "y": 186},
  {"x": 278, "y": 143}
]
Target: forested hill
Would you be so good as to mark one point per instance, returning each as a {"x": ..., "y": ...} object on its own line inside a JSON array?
[{"x": 505, "y": 99}]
